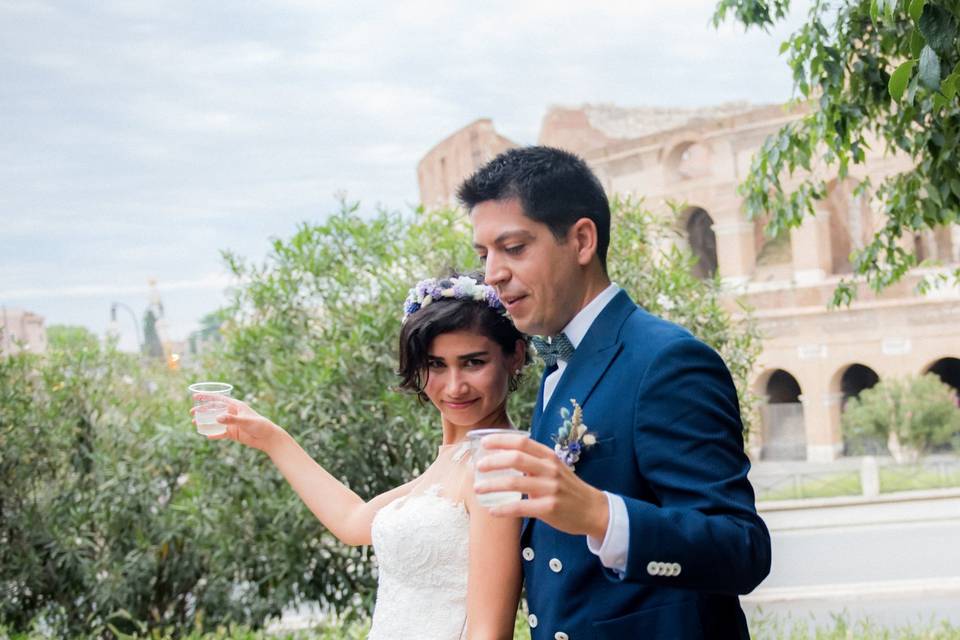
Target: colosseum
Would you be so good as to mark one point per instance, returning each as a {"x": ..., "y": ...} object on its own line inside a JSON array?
[{"x": 814, "y": 359}]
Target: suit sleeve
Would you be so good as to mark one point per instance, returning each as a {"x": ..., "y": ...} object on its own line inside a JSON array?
[{"x": 703, "y": 531}]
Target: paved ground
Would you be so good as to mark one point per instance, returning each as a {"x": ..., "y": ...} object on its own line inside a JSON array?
[{"x": 896, "y": 561}]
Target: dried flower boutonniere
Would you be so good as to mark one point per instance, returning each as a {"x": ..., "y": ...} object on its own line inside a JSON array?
[{"x": 573, "y": 437}]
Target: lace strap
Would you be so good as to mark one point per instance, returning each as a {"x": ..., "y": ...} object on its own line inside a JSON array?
[
  {"x": 461, "y": 455},
  {"x": 461, "y": 452}
]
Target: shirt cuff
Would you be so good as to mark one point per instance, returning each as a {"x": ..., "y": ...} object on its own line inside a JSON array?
[{"x": 612, "y": 551}]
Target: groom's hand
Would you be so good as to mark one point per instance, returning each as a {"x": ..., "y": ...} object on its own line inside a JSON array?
[{"x": 554, "y": 493}]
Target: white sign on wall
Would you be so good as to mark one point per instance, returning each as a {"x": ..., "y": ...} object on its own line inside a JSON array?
[
  {"x": 895, "y": 346},
  {"x": 812, "y": 351}
]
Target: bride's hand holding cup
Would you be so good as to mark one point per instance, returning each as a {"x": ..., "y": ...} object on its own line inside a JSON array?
[{"x": 244, "y": 425}]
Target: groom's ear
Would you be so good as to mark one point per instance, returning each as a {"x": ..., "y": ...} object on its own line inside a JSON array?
[
  {"x": 583, "y": 234},
  {"x": 519, "y": 354}
]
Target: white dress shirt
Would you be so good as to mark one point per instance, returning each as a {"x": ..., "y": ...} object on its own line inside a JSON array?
[{"x": 612, "y": 550}]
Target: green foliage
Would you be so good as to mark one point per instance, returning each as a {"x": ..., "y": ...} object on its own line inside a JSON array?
[
  {"x": 922, "y": 411},
  {"x": 868, "y": 70},
  {"x": 67, "y": 338},
  {"x": 114, "y": 510},
  {"x": 91, "y": 456}
]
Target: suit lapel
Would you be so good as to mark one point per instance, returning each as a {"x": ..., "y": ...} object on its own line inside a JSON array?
[{"x": 590, "y": 361}]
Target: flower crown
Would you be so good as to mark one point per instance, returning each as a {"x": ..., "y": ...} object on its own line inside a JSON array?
[{"x": 458, "y": 288}]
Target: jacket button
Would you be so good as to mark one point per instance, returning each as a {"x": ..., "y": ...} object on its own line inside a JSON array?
[
  {"x": 555, "y": 565},
  {"x": 532, "y": 621},
  {"x": 676, "y": 569},
  {"x": 560, "y": 635},
  {"x": 653, "y": 568},
  {"x": 528, "y": 554}
]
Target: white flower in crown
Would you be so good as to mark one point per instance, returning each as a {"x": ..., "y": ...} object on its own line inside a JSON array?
[
  {"x": 466, "y": 287},
  {"x": 458, "y": 288}
]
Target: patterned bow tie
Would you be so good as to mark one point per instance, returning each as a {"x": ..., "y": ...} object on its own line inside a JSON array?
[{"x": 553, "y": 348}]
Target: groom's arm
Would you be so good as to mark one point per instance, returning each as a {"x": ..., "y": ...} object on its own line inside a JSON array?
[{"x": 704, "y": 533}]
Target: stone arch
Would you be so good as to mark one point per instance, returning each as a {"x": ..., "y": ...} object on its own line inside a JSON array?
[
  {"x": 783, "y": 429},
  {"x": 850, "y": 222},
  {"x": 854, "y": 379},
  {"x": 948, "y": 370},
  {"x": 936, "y": 245},
  {"x": 771, "y": 252},
  {"x": 848, "y": 383},
  {"x": 687, "y": 159},
  {"x": 697, "y": 226}
]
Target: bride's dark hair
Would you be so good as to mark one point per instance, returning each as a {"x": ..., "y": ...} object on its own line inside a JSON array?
[{"x": 447, "y": 315}]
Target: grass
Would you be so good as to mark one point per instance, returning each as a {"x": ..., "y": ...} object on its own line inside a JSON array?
[
  {"x": 916, "y": 478},
  {"x": 842, "y": 628},
  {"x": 762, "y": 627},
  {"x": 847, "y": 483}
]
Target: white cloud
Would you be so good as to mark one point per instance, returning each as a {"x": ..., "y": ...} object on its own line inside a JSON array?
[
  {"x": 208, "y": 282},
  {"x": 141, "y": 138}
]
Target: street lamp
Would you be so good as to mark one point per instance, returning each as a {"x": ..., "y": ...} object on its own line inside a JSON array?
[{"x": 115, "y": 326}]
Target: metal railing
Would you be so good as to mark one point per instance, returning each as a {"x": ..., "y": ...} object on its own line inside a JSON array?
[{"x": 872, "y": 476}]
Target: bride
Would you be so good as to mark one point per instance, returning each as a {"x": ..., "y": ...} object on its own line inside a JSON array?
[{"x": 447, "y": 569}]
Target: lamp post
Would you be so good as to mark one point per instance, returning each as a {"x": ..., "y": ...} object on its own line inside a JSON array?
[{"x": 115, "y": 326}]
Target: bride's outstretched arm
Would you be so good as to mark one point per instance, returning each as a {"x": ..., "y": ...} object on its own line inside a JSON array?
[
  {"x": 494, "y": 581},
  {"x": 334, "y": 504}
]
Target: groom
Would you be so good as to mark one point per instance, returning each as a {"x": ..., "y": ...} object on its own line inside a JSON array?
[{"x": 652, "y": 532}]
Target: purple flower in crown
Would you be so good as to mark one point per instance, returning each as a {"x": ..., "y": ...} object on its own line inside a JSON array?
[
  {"x": 493, "y": 299},
  {"x": 463, "y": 289},
  {"x": 430, "y": 290}
]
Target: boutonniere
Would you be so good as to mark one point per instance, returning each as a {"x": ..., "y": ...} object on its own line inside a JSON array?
[{"x": 573, "y": 436}]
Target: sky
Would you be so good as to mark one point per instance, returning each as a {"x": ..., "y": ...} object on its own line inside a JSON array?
[{"x": 138, "y": 139}]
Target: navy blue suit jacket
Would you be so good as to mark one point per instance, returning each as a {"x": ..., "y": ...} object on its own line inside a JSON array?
[{"x": 666, "y": 415}]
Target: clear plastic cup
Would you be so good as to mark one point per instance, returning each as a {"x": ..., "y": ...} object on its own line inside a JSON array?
[
  {"x": 209, "y": 409},
  {"x": 478, "y": 452}
]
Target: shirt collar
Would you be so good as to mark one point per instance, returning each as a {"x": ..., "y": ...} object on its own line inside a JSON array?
[{"x": 577, "y": 328}]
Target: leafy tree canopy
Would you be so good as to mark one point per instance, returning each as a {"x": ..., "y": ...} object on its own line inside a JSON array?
[
  {"x": 921, "y": 411},
  {"x": 871, "y": 70},
  {"x": 66, "y": 337}
]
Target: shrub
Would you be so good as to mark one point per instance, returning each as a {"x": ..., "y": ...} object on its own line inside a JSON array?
[{"x": 921, "y": 411}]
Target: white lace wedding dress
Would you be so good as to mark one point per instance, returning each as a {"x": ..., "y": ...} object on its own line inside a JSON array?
[{"x": 422, "y": 546}]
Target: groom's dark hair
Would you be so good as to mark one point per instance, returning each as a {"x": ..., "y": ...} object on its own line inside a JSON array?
[
  {"x": 554, "y": 187},
  {"x": 446, "y": 315}
]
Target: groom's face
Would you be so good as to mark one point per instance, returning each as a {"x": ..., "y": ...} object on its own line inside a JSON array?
[{"x": 537, "y": 276}]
